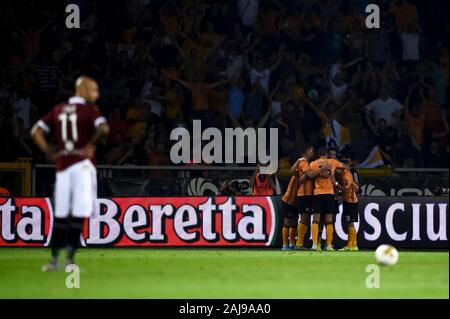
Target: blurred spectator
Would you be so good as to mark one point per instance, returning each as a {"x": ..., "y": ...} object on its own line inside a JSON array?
[
  {"x": 158, "y": 157},
  {"x": 200, "y": 91},
  {"x": 137, "y": 120},
  {"x": 117, "y": 124},
  {"x": 119, "y": 150},
  {"x": 236, "y": 97},
  {"x": 47, "y": 74},
  {"x": 378, "y": 45},
  {"x": 25, "y": 109},
  {"x": 248, "y": 11},
  {"x": 306, "y": 67},
  {"x": 405, "y": 14},
  {"x": 385, "y": 107},
  {"x": 259, "y": 71},
  {"x": 229, "y": 188},
  {"x": 434, "y": 157},
  {"x": 415, "y": 117},
  {"x": 410, "y": 43},
  {"x": 406, "y": 153},
  {"x": 9, "y": 132}
]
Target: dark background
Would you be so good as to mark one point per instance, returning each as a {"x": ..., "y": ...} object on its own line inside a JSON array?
[{"x": 126, "y": 46}]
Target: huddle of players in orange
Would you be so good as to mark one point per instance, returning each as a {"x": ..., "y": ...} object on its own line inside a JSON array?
[{"x": 314, "y": 189}]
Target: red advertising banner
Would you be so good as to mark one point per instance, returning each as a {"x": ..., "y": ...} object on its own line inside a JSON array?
[
  {"x": 170, "y": 221},
  {"x": 249, "y": 221},
  {"x": 25, "y": 221}
]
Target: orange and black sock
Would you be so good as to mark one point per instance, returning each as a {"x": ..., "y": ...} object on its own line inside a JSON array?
[
  {"x": 330, "y": 230},
  {"x": 301, "y": 232},
  {"x": 351, "y": 236},
  {"x": 292, "y": 234},
  {"x": 315, "y": 233},
  {"x": 319, "y": 236},
  {"x": 285, "y": 235}
]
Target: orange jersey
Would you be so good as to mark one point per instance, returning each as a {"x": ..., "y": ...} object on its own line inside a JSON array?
[
  {"x": 349, "y": 195},
  {"x": 290, "y": 196},
  {"x": 307, "y": 186},
  {"x": 338, "y": 165},
  {"x": 324, "y": 185},
  {"x": 262, "y": 188}
]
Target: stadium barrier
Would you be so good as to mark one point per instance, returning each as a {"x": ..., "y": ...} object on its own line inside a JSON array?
[
  {"x": 16, "y": 177},
  {"x": 246, "y": 221},
  {"x": 129, "y": 181}
]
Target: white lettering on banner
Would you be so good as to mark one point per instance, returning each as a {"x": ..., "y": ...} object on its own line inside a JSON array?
[
  {"x": 228, "y": 210},
  {"x": 338, "y": 225},
  {"x": 372, "y": 221},
  {"x": 30, "y": 227},
  {"x": 7, "y": 210},
  {"x": 371, "y": 190},
  {"x": 416, "y": 221},
  {"x": 131, "y": 224},
  {"x": 208, "y": 219},
  {"x": 158, "y": 214},
  {"x": 250, "y": 227},
  {"x": 390, "y": 222},
  {"x": 22, "y": 222},
  {"x": 96, "y": 223},
  {"x": 441, "y": 234},
  {"x": 254, "y": 219},
  {"x": 181, "y": 224},
  {"x": 409, "y": 192}
]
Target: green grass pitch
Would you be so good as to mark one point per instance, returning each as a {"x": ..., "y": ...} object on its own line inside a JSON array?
[{"x": 223, "y": 273}]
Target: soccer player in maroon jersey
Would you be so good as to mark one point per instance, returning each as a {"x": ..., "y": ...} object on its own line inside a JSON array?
[{"x": 78, "y": 127}]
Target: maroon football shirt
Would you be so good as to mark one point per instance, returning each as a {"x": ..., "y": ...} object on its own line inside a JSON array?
[{"x": 73, "y": 125}]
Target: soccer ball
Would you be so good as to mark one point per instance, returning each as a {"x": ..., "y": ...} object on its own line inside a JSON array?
[{"x": 386, "y": 255}]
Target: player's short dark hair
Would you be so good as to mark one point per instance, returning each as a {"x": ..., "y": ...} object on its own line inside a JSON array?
[
  {"x": 331, "y": 149},
  {"x": 306, "y": 148},
  {"x": 322, "y": 151},
  {"x": 235, "y": 185},
  {"x": 347, "y": 154}
]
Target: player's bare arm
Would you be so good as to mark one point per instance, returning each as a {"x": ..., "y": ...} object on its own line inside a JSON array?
[
  {"x": 322, "y": 171},
  {"x": 38, "y": 136},
  {"x": 294, "y": 168},
  {"x": 100, "y": 135},
  {"x": 342, "y": 187},
  {"x": 303, "y": 178}
]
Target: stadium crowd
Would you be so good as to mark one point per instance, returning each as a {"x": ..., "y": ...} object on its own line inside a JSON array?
[{"x": 308, "y": 67}]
